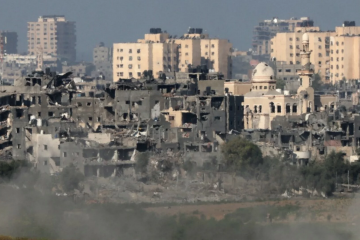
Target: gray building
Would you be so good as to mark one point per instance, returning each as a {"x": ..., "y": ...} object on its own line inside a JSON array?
[{"x": 102, "y": 59}]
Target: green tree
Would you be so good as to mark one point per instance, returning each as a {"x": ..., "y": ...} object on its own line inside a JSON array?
[
  {"x": 70, "y": 178},
  {"x": 8, "y": 169},
  {"x": 280, "y": 83},
  {"x": 241, "y": 155}
]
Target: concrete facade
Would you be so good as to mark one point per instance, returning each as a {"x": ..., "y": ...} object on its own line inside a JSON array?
[
  {"x": 162, "y": 53},
  {"x": 52, "y": 35}
]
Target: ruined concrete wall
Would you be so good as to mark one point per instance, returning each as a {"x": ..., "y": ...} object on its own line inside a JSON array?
[
  {"x": 235, "y": 112},
  {"x": 88, "y": 111},
  {"x": 140, "y": 104},
  {"x": 102, "y": 138},
  {"x": 20, "y": 120},
  {"x": 71, "y": 153},
  {"x": 215, "y": 85},
  {"x": 45, "y": 148}
]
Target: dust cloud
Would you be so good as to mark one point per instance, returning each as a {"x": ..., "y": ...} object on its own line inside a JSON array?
[{"x": 29, "y": 209}]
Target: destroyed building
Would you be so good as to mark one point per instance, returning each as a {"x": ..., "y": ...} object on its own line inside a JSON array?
[{"x": 54, "y": 120}]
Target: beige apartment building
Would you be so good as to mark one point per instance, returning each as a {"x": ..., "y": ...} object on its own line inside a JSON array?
[
  {"x": 160, "y": 52},
  {"x": 267, "y": 29},
  {"x": 52, "y": 35},
  {"x": 335, "y": 54}
]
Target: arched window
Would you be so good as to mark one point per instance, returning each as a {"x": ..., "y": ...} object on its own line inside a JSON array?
[
  {"x": 309, "y": 108},
  {"x": 260, "y": 108},
  {"x": 255, "y": 109},
  {"x": 294, "y": 110},
  {"x": 288, "y": 108},
  {"x": 272, "y": 107}
]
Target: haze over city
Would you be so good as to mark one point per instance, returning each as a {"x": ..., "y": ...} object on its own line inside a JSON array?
[
  {"x": 179, "y": 120},
  {"x": 114, "y": 21}
]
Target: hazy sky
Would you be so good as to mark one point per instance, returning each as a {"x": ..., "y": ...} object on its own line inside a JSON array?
[{"x": 127, "y": 20}]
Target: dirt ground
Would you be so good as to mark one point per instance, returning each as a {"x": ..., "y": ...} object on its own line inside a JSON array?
[{"x": 340, "y": 210}]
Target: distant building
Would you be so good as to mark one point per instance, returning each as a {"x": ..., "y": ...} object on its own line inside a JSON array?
[
  {"x": 102, "y": 59},
  {"x": 52, "y": 35},
  {"x": 78, "y": 70},
  {"x": 267, "y": 29},
  {"x": 8, "y": 42},
  {"x": 160, "y": 52},
  {"x": 335, "y": 53}
]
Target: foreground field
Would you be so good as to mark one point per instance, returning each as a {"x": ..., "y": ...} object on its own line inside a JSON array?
[{"x": 319, "y": 210}]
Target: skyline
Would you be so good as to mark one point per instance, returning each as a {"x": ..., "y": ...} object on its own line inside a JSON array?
[{"x": 134, "y": 18}]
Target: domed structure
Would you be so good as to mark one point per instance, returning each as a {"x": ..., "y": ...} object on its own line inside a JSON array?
[
  {"x": 305, "y": 37},
  {"x": 263, "y": 73}
]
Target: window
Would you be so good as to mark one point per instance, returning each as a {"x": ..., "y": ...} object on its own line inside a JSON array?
[
  {"x": 186, "y": 54},
  {"x": 45, "y": 147},
  {"x": 206, "y": 45},
  {"x": 217, "y": 118},
  {"x": 88, "y": 104},
  {"x": 212, "y": 45},
  {"x": 19, "y": 146},
  {"x": 320, "y": 55},
  {"x": 212, "y": 53},
  {"x": 17, "y": 130},
  {"x": 319, "y": 46},
  {"x": 291, "y": 54},
  {"x": 130, "y": 50},
  {"x": 290, "y": 39},
  {"x": 39, "y": 114},
  {"x": 65, "y": 154},
  {"x": 291, "y": 46},
  {"x": 121, "y": 74},
  {"x": 50, "y": 114},
  {"x": 39, "y": 100},
  {"x": 121, "y": 65},
  {"x": 171, "y": 118},
  {"x": 288, "y": 70},
  {"x": 287, "y": 108},
  {"x": 206, "y": 53},
  {"x": 278, "y": 108},
  {"x": 130, "y": 74},
  {"x": 138, "y": 58},
  {"x": 130, "y": 58},
  {"x": 294, "y": 110},
  {"x": 138, "y": 51},
  {"x": 130, "y": 66},
  {"x": 297, "y": 39},
  {"x": 139, "y": 74},
  {"x": 90, "y": 118},
  {"x": 186, "y": 46}
]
